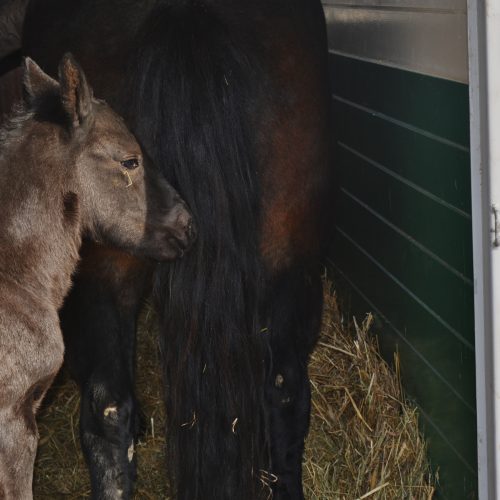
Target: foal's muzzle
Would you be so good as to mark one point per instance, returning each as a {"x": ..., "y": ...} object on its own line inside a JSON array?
[{"x": 181, "y": 229}]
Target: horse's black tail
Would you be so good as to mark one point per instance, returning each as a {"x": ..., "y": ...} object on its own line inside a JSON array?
[{"x": 192, "y": 102}]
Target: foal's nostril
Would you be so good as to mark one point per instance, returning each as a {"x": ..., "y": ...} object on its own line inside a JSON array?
[
  {"x": 186, "y": 224},
  {"x": 181, "y": 230}
]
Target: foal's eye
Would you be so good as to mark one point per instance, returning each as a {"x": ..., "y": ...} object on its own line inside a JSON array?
[{"x": 130, "y": 164}]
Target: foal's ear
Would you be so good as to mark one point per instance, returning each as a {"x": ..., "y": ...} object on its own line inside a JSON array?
[
  {"x": 35, "y": 81},
  {"x": 76, "y": 95}
]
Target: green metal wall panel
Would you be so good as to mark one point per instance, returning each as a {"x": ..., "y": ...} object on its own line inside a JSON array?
[
  {"x": 400, "y": 204},
  {"x": 403, "y": 242},
  {"x": 410, "y": 150},
  {"x": 443, "y": 113}
]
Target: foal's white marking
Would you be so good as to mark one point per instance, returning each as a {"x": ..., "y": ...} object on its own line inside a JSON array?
[{"x": 109, "y": 410}]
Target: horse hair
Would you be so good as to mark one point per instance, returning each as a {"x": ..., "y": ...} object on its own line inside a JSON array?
[{"x": 192, "y": 102}]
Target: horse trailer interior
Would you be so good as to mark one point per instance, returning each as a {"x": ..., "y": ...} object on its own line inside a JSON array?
[
  {"x": 415, "y": 106},
  {"x": 415, "y": 99}
]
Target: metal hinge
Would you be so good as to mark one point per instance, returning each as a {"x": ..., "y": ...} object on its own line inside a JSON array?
[{"x": 496, "y": 226}]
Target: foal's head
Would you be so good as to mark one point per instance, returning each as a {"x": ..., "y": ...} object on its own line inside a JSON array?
[{"x": 120, "y": 199}]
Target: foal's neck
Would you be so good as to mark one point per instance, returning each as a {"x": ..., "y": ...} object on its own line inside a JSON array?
[{"x": 40, "y": 223}]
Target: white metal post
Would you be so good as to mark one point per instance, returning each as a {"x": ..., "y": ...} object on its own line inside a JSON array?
[{"x": 484, "y": 85}]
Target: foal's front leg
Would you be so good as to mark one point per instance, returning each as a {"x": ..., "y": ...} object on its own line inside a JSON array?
[
  {"x": 99, "y": 322},
  {"x": 31, "y": 354}
]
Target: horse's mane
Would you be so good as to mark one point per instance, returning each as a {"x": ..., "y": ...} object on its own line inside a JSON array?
[
  {"x": 191, "y": 98},
  {"x": 47, "y": 107},
  {"x": 12, "y": 127}
]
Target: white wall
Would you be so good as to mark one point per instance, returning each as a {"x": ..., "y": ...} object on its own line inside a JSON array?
[
  {"x": 426, "y": 36},
  {"x": 484, "y": 89}
]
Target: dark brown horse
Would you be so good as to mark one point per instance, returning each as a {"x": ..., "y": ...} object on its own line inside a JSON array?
[
  {"x": 230, "y": 99},
  {"x": 68, "y": 167}
]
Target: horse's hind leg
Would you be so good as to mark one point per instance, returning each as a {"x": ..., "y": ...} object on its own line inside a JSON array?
[
  {"x": 99, "y": 321},
  {"x": 294, "y": 315}
]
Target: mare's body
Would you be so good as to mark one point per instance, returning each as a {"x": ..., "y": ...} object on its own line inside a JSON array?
[
  {"x": 61, "y": 160},
  {"x": 230, "y": 99}
]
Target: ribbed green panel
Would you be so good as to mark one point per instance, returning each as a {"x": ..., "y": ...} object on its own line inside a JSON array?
[
  {"x": 444, "y": 236},
  {"x": 444, "y": 113},
  {"x": 419, "y": 159},
  {"x": 404, "y": 242},
  {"x": 412, "y": 270}
]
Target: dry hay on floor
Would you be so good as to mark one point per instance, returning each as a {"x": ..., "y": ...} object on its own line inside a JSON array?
[{"x": 364, "y": 440}]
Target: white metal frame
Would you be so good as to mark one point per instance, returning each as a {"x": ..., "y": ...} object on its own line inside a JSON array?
[{"x": 484, "y": 85}]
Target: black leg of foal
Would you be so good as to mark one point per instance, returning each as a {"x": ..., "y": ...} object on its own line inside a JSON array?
[
  {"x": 295, "y": 302},
  {"x": 99, "y": 322}
]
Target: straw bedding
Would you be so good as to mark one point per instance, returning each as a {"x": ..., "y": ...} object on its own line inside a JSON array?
[{"x": 364, "y": 440}]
